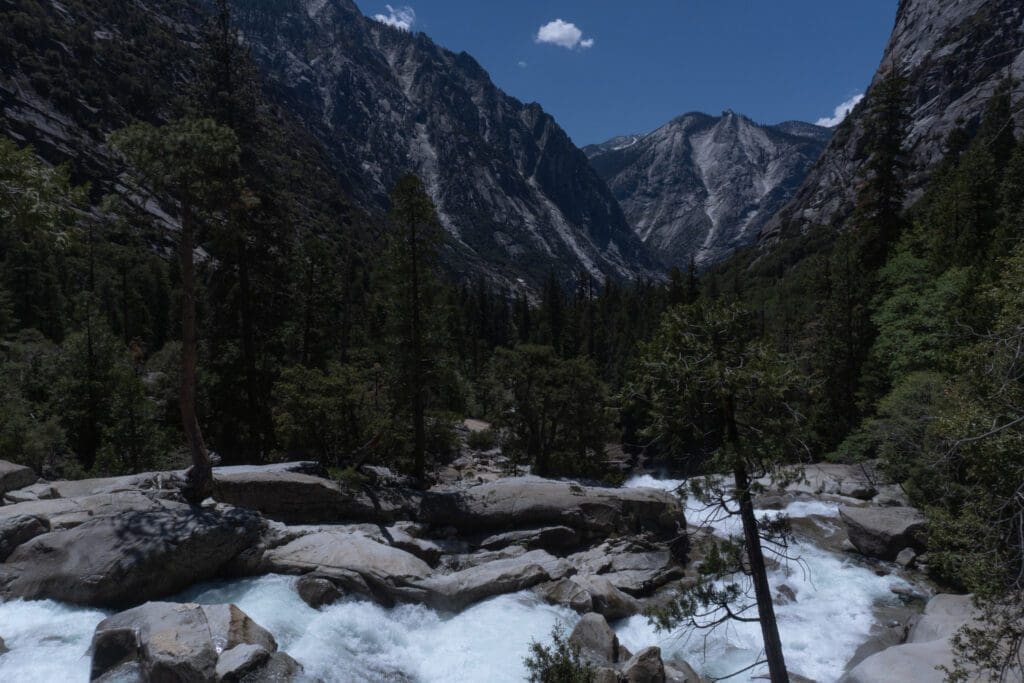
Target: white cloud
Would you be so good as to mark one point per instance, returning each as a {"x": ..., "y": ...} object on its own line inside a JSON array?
[
  {"x": 398, "y": 17},
  {"x": 840, "y": 112},
  {"x": 563, "y": 34},
  {"x": 523, "y": 65}
]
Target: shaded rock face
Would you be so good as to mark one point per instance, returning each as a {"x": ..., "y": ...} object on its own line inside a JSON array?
[
  {"x": 928, "y": 646},
  {"x": 187, "y": 642},
  {"x": 600, "y": 647},
  {"x": 510, "y": 186},
  {"x": 363, "y": 103},
  {"x": 18, "y": 529},
  {"x": 296, "y": 498},
  {"x": 127, "y": 558},
  {"x": 702, "y": 186},
  {"x": 534, "y": 502},
  {"x": 14, "y": 477},
  {"x": 597, "y": 641},
  {"x": 953, "y": 53},
  {"x": 883, "y": 532}
]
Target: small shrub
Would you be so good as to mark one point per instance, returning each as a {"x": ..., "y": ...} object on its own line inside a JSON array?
[{"x": 558, "y": 663}]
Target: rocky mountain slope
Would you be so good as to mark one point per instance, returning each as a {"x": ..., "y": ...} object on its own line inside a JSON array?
[
  {"x": 364, "y": 101},
  {"x": 953, "y": 54},
  {"x": 702, "y": 186}
]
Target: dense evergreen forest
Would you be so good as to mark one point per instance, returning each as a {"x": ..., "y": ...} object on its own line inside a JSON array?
[{"x": 345, "y": 340}]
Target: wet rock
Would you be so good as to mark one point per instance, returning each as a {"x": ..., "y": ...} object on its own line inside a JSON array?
[
  {"x": 400, "y": 537},
  {"x": 632, "y": 565},
  {"x": 597, "y": 641},
  {"x": 928, "y": 646},
  {"x": 567, "y": 592},
  {"x": 784, "y": 595},
  {"x": 183, "y": 642},
  {"x": 460, "y": 589},
  {"x": 646, "y": 666},
  {"x": 128, "y": 558},
  {"x": 353, "y": 561},
  {"x": 884, "y": 532},
  {"x": 14, "y": 477},
  {"x": 590, "y": 593},
  {"x": 17, "y": 530},
  {"x": 851, "y": 481},
  {"x": 317, "y": 591},
  {"x": 680, "y": 671},
  {"x": 239, "y": 661},
  {"x": 553, "y": 538},
  {"x": 906, "y": 558},
  {"x": 3, "y": 647}
]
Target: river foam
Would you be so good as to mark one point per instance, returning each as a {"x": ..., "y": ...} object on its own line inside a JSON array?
[
  {"x": 833, "y": 613},
  {"x": 357, "y": 640},
  {"x": 349, "y": 641}
]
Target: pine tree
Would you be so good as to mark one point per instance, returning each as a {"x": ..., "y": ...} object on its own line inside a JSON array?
[
  {"x": 878, "y": 216},
  {"x": 411, "y": 290},
  {"x": 195, "y": 162},
  {"x": 714, "y": 393}
]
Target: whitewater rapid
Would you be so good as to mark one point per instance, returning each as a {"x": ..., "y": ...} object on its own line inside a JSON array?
[
  {"x": 833, "y": 614},
  {"x": 356, "y": 640}
]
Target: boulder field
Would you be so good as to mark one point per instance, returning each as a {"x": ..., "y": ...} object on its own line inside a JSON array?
[
  {"x": 607, "y": 553},
  {"x": 128, "y": 542}
]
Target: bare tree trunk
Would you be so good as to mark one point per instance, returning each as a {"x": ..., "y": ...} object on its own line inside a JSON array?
[
  {"x": 759, "y": 575},
  {"x": 199, "y": 484}
]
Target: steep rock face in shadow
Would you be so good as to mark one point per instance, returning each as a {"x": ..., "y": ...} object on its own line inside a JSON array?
[
  {"x": 358, "y": 102},
  {"x": 509, "y": 184},
  {"x": 954, "y": 54},
  {"x": 702, "y": 186}
]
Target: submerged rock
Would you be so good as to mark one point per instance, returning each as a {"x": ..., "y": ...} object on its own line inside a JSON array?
[
  {"x": 186, "y": 642},
  {"x": 128, "y": 558},
  {"x": 317, "y": 591},
  {"x": 884, "y": 532}
]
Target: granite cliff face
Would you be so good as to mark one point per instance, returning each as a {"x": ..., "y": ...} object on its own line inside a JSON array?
[
  {"x": 953, "y": 54},
  {"x": 702, "y": 186},
  {"x": 367, "y": 102}
]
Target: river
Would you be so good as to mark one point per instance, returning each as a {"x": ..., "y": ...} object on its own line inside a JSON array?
[{"x": 834, "y": 613}]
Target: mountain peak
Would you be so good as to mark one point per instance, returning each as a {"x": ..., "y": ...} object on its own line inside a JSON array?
[{"x": 702, "y": 186}]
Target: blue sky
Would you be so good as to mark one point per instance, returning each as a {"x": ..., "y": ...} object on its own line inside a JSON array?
[{"x": 613, "y": 67}]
